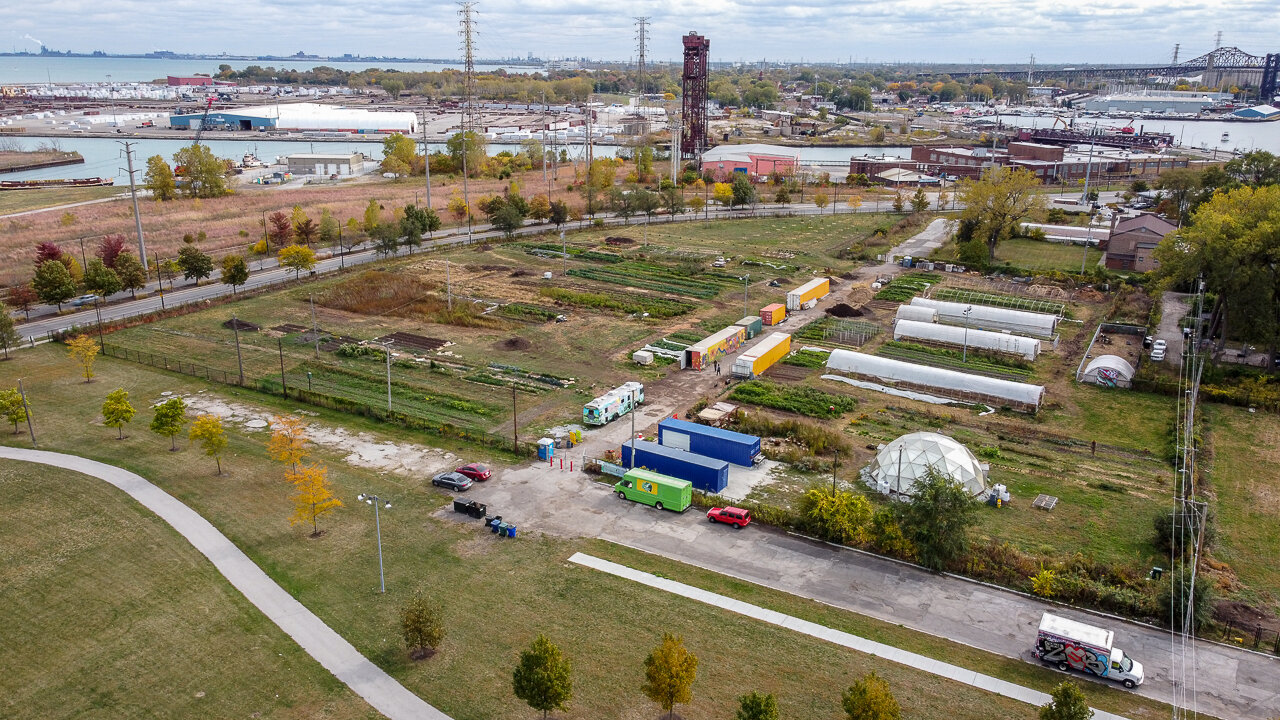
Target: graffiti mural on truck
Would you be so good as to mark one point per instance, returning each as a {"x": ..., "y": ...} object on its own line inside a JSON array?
[{"x": 1078, "y": 657}]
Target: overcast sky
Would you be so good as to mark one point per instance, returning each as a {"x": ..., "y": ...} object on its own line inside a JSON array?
[{"x": 991, "y": 31}]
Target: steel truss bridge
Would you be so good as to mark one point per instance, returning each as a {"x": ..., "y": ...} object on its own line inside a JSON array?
[{"x": 1224, "y": 60}]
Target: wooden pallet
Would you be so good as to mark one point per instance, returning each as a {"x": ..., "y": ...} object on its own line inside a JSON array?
[{"x": 1044, "y": 502}]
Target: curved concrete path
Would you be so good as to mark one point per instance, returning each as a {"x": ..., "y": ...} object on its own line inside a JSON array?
[{"x": 319, "y": 640}]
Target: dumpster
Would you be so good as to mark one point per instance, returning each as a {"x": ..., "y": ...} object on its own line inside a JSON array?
[
  {"x": 478, "y": 509},
  {"x": 546, "y": 448},
  {"x": 511, "y": 531},
  {"x": 470, "y": 507}
]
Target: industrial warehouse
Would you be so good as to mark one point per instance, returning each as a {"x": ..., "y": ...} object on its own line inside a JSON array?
[{"x": 301, "y": 117}]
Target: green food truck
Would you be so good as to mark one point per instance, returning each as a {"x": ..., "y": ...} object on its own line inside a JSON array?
[{"x": 651, "y": 488}]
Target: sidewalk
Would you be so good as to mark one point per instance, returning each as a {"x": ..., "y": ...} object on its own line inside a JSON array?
[
  {"x": 319, "y": 640},
  {"x": 839, "y": 637}
]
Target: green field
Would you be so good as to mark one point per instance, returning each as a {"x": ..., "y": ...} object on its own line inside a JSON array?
[
  {"x": 495, "y": 595},
  {"x": 109, "y": 613},
  {"x": 1041, "y": 255},
  {"x": 14, "y": 201}
]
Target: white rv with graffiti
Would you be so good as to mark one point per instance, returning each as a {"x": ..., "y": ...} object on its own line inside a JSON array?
[{"x": 1070, "y": 644}]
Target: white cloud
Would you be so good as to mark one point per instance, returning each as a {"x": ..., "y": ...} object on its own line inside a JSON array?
[{"x": 1135, "y": 31}]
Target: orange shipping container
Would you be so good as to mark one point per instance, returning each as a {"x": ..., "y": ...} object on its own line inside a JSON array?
[{"x": 773, "y": 314}]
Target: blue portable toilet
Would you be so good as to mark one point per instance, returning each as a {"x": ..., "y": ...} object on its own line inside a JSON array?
[{"x": 546, "y": 448}]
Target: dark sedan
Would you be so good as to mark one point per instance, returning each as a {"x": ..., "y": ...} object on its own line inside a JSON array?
[{"x": 452, "y": 480}]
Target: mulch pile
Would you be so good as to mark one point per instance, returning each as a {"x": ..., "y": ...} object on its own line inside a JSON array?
[
  {"x": 844, "y": 310},
  {"x": 514, "y": 343}
]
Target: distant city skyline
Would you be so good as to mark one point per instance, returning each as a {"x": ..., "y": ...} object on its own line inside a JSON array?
[{"x": 957, "y": 31}]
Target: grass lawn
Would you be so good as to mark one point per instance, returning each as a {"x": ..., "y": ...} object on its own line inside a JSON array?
[
  {"x": 1040, "y": 255},
  {"x": 14, "y": 201},
  {"x": 1246, "y": 453},
  {"x": 496, "y": 595},
  {"x": 109, "y": 613}
]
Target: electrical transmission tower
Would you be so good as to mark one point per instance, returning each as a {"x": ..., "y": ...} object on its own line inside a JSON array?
[
  {"x": 470, "y": 119},
  {"x": 642, "y": 40}
]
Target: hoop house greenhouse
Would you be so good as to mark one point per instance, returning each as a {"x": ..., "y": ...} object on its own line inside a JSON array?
[
  {"x": 1027, "y": 347},
  {"x": 948, "y": 383},
  {"x": 902, "y": 463},
  {"x": 1108, "y": 371},
  {"x": 985, "y": 317},
  {"x": 917, "y": 313}
]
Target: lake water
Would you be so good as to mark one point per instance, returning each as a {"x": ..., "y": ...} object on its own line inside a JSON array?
[
  {"x": 1242, "y": 136},
  {"x": 23, "y": 69},
  {"x": 103, "y": 157}
]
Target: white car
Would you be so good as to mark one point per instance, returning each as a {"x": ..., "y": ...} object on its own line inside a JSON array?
[
  {"x": 1160, "y": 345},
  {"x": 1157, "y": 354}
]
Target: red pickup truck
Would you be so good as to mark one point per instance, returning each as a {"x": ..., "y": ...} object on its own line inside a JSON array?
[{"x": 736, "y": 517}]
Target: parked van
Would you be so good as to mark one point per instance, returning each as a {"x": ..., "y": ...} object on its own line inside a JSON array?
[{"x": 651, "y": 488}]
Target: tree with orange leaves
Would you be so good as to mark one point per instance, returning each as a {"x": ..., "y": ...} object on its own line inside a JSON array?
[
  {"x": 288, "y": 442},
  {"x": 312, "y": 497}
]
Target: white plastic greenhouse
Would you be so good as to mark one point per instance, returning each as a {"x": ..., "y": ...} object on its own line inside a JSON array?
[
  {"x": 985, "y": 317},
  {"x": 1027, "y": 347},
  {"x": 899, "y": 465},
  {"x": 917, "y": 313},
  {"x": 950, "y": 383},
  {"x": 1108, "y": 371}
]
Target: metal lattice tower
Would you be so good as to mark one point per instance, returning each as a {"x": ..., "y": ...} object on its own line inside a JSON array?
[
  {"x": 467, "y": 31},
  {"x": 693, "y": 138},
  {"x": 642, "y": 41},
  {"x": 470, "y": 120}
]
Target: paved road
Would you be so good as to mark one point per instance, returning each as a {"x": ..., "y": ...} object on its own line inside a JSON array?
[
  {"x": 1232, "y": 683},
  {"x": 319, "y": 640},
  {"x": 939, "y": 668},
  {"x": 44, "y": 320}
]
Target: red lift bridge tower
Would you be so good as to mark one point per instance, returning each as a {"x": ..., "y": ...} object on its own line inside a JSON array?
[{"x": 693, "y": 135}]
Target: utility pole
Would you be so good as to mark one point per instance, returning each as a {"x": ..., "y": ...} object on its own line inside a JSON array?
[
  {"x": 631, "y": 464},
  {"x": 515, "y": 430},
  {"x": 26, "y": 410},
  {"x": 546, "y": 179},
  {"x": 235, "y": 327},
  {"x": 133, "y": 192},
  {"x": 642, "y": 39},
  {"x": 388, "y": 377},
  {"x": 315, "y": 331},
  {"x": 745, "y": 303},
  {"x": 426, "y": 166},
  {"x": 84, "y": 259},
  {"x": 564, "y": 255}
]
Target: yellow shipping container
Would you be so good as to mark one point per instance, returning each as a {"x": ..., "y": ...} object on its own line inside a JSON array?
[{"x": 762, "y": 357}]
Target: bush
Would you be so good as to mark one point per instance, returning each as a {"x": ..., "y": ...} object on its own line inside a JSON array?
[
  {"x": 1177, "y": 591},
  {"x": 1167, "y": 523},
  {"x": 352, "y": 350},
  {"x": 816, "y": 439},
  {"x": 842, "y": 517}
]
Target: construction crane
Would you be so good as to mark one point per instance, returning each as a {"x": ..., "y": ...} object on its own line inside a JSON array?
[{"x": 203, "y": 119}]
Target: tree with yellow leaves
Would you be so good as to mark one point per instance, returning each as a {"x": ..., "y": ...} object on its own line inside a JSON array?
[
  {"x": 207, "y": 430},
  {"x": 722, "y": 193},
  {"x": 312, "y": 496},
  {"x": 288, "y": 442},
  {"x": 84, "y": 350}
]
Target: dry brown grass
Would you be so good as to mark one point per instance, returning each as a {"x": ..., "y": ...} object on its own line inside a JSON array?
[
  {"x": 376, "y": 292},
  {"x": 235, "y": 222}
]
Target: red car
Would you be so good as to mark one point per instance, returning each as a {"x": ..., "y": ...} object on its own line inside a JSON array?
[
  {"x": 736, "y": 517},
  {"x": 475, "y": 471}
]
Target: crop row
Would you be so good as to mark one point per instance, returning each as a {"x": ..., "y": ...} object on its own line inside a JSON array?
[
  {"x": 677, "y": 286},
  {"x": 793, "y": 398},
  {"x": 618, "y": 302}
]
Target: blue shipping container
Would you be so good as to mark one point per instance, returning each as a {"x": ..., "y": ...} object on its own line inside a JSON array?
[
  {"x": 706, "y": 474},
  {"x": 735, "y": 447}
]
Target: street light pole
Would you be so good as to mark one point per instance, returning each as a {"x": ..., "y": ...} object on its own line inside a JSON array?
[
  {"x": 964, "y": 357},
  {"x": 374, "y": 500}
]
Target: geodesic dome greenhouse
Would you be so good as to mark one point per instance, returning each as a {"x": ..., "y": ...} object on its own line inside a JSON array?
[{"x": 900, "y": 464}]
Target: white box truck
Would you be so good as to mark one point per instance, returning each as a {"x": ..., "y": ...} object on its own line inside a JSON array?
[{"x": 1069, "y": 644}]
